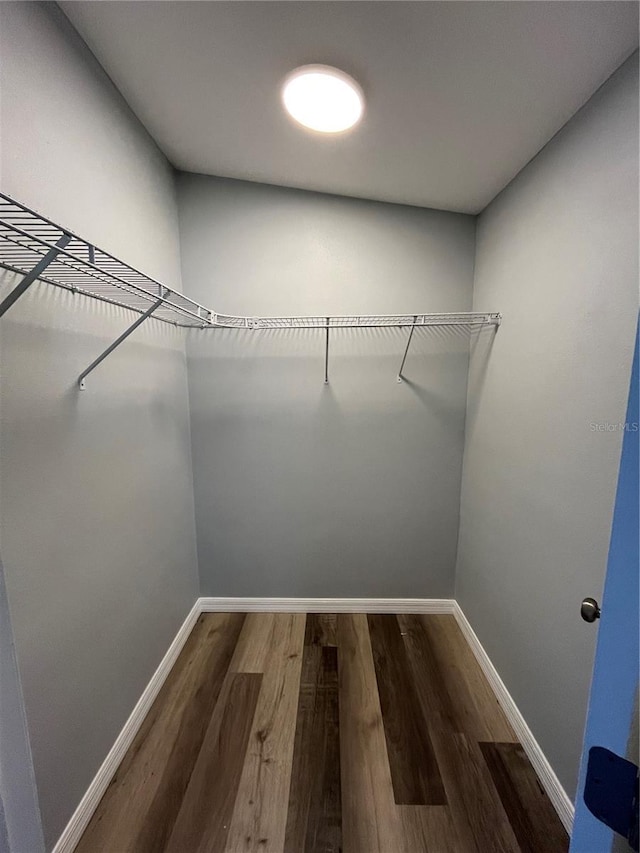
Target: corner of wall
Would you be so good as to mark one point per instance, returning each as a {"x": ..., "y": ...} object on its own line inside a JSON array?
[
  {"x": 476, "y": 221},
  {"x": 175, "y": 178}
]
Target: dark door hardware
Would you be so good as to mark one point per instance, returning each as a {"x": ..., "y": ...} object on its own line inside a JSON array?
[{"x": 590, "y": 610}]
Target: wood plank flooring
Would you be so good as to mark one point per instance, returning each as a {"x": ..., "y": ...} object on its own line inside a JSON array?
[{"x": 348, "y": 733}]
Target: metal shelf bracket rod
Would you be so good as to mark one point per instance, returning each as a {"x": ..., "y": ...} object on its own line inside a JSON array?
[
  {"x": 326, "y": 355},
  {"x": 118, "y": 341},
  {"x": 33, "y": 274},
  {"x": 406, "y": 351}
]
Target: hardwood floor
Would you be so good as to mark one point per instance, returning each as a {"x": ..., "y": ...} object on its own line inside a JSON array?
[{"x": 348, "y": 733}]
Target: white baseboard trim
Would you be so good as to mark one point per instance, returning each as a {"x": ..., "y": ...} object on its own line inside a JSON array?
[
  {"x": 327, "y": 605},
  {"x": 82, "y": 815},
  {"x": 550, "y": 782},
  {"x": 88, "y": 804}
]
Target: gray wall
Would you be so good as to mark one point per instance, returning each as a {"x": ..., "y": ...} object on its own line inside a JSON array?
[
  {"x": 96, "y": 513},
  {"x": 302, "y": 489},
  {"x": 20, "y": 825},
  {"x": 557, "y": 253},
  {"x": 86, "y": 160}
]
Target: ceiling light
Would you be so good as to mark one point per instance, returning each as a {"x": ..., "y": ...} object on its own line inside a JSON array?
[{"x": 323, "y": 98}]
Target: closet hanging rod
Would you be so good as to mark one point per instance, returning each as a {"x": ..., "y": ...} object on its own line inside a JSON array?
[{"x": 28, "y": 241}]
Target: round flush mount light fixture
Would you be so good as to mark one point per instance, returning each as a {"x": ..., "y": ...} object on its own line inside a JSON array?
[{"x": 323, "y": 98}]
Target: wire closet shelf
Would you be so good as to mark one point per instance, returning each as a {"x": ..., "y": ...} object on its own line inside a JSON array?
[{"x": 37, "y": 248}]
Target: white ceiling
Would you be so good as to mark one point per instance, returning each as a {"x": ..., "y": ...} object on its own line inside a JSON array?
[{"x": 460, "y": 95}]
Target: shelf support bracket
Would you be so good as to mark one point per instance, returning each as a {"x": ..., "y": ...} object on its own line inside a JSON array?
[
  {"x": 406, "y": 351},
  {"x": 326, "y": 355},
  {"x": 118, "y": 341},
  {"x": 33, "y": 274}
]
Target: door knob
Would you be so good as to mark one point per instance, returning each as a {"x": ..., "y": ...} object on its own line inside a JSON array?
[{"x": 590, "y": 610}]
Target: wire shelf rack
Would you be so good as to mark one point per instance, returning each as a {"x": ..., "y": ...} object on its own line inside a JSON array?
[
  {"x": 27, "y": 239},
  {"x": 356, "y": 321}
]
